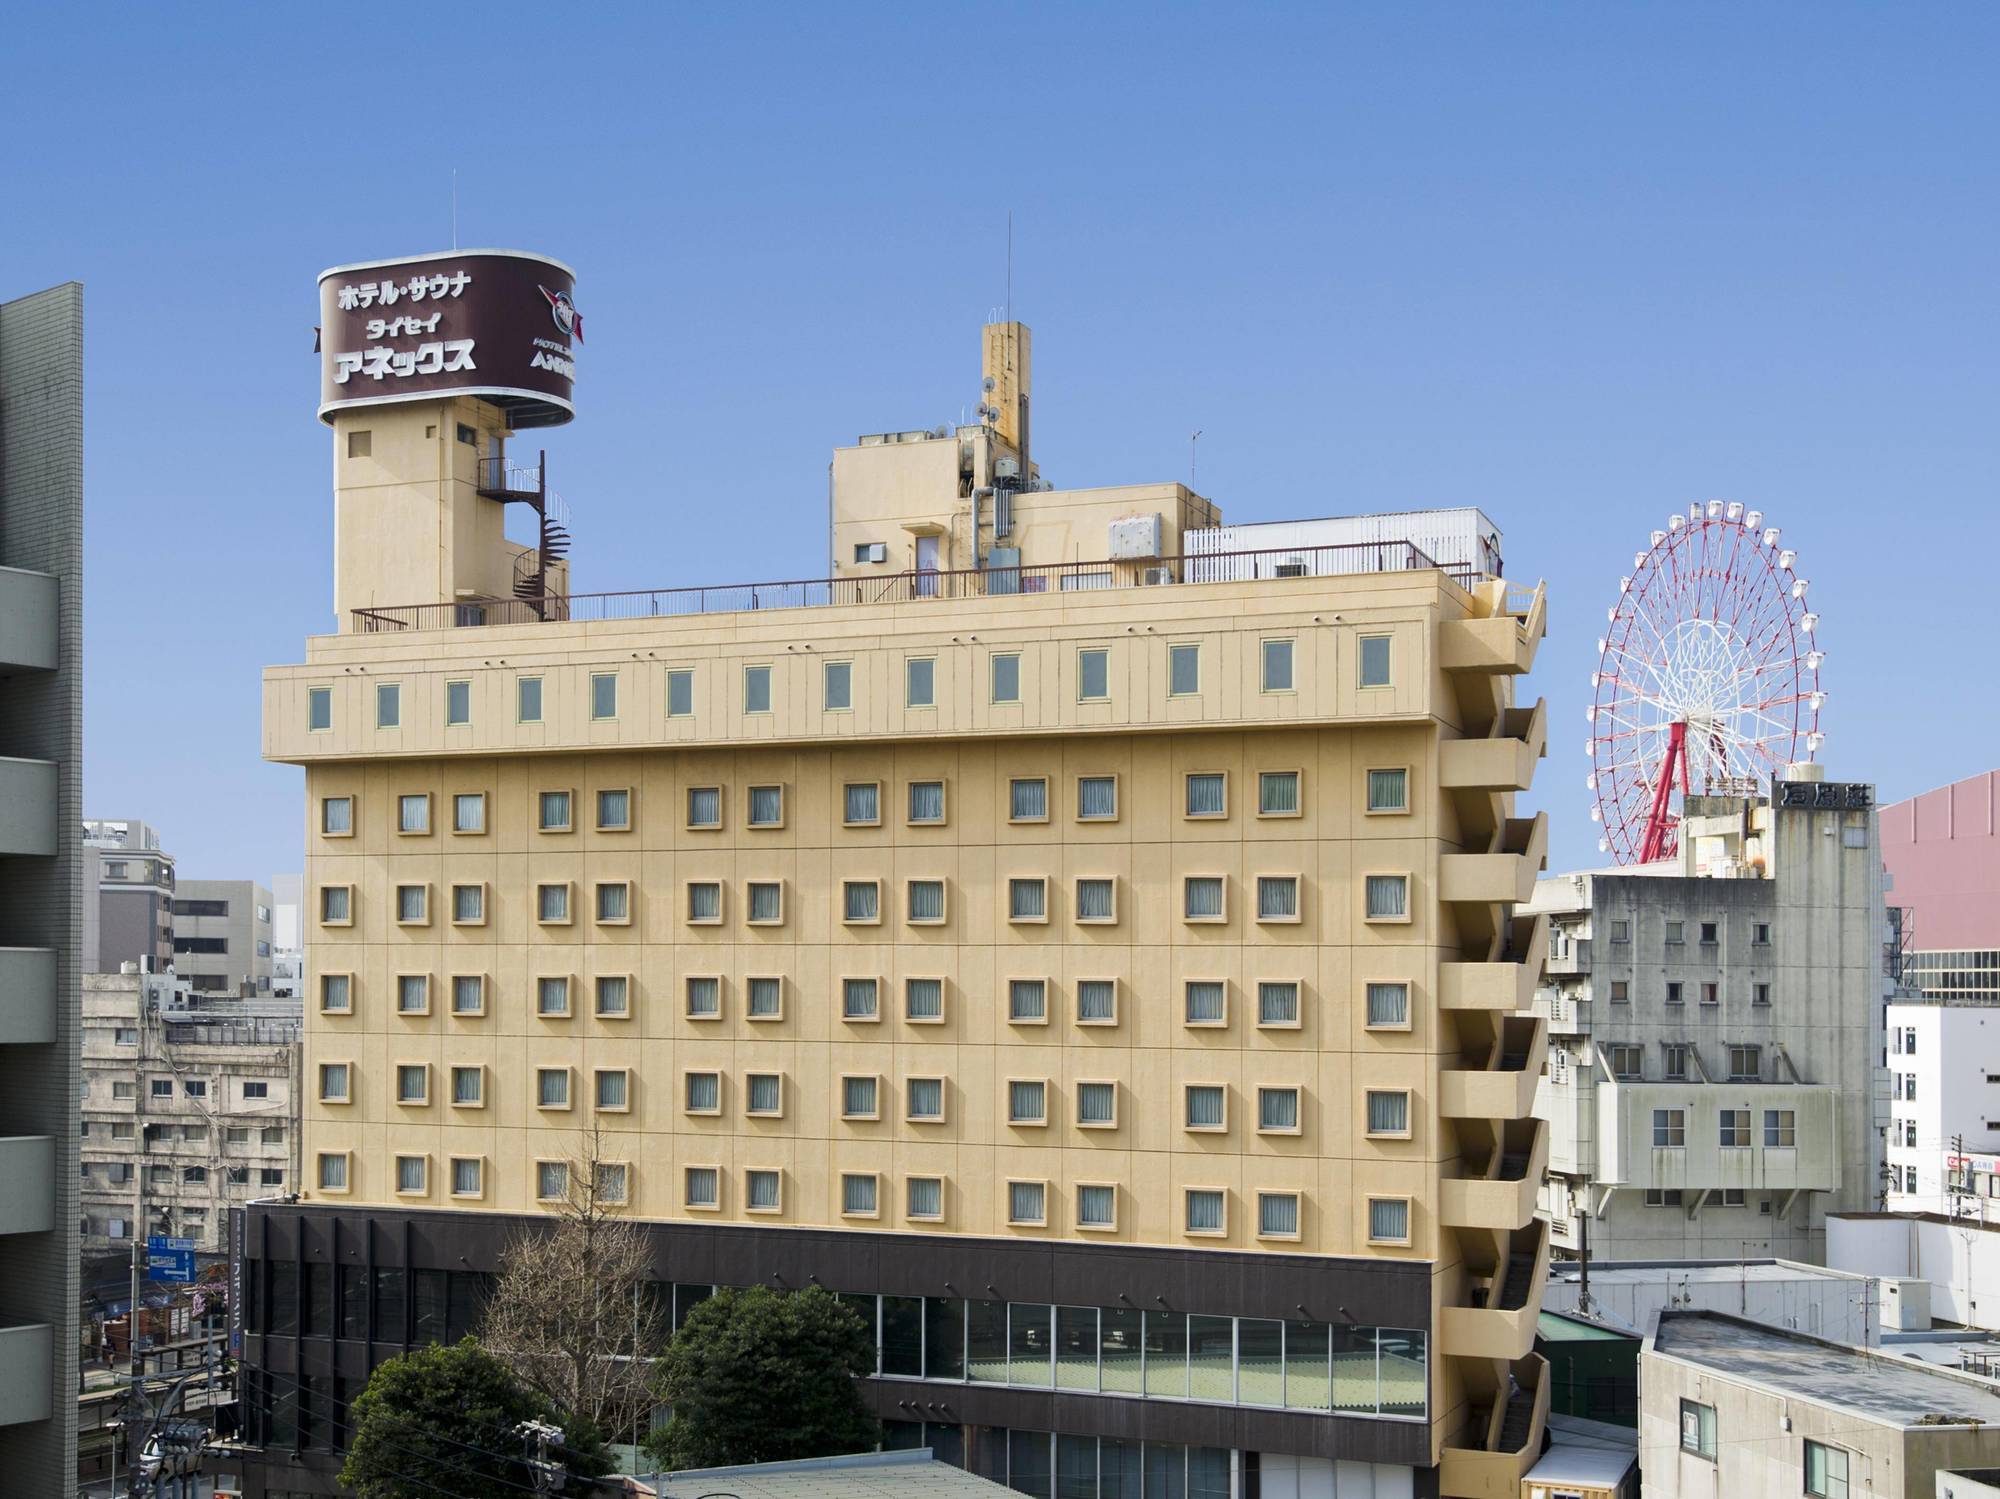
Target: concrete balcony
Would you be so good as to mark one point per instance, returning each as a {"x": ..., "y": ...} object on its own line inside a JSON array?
[
  {"x": 1506, "y": 872},
  {"x": 27, "y": 996},
  {"x": 1570, "y": 959},
  {"x": 27, "y": 807},
  {"x": 1665, "y": 1135},
  {"x": 28, "y": 616},
  {"x": 1508, "y": 983},
  {"x": 1505, "y": 761},
  {"x": 1512, "y": 1429},
  {"x": 1502, "y": 1086},
  {"x": 27, "y": 1184},
  {"x": 1500, "y": 1196},
  {"x": 1505, "y": 642},
  {"x": 1502, "y": 1326},
  {"x": 27, "y": 1373},
  {"x": 1567, "y": 1017}
]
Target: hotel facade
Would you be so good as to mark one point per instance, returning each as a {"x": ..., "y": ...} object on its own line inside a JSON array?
[{"x": 1093, "y": 955}]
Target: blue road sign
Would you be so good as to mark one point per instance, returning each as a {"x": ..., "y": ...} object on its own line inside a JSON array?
[{"x": 169, "y": 1259}]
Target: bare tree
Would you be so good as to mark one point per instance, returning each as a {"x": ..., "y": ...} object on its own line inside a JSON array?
[{"x": 575, "y": 1313}]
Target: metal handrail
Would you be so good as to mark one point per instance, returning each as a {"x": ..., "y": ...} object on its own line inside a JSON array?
[{"x": 1345, "y": 559}]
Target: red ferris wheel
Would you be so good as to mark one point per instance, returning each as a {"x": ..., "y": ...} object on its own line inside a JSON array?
[{"x": 1708, "y": 680}]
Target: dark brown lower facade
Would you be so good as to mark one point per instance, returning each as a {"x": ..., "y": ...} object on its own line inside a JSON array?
[{"x": 1075, "y": 1371}]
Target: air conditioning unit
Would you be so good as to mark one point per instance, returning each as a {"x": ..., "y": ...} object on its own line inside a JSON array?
[
  {"x": 1156, "y": 575},
  {"x": 1007, "y": 468},
  {"x": 1289, "y": 570}
]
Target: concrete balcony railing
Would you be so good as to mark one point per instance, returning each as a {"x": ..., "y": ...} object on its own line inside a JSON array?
[
  {"x": 1505, "y": 984},
  {"x": 1571, "y": 960},
  {"x": 27, "y": 1373},
  {"x": 27, "y": 1184},
  {"x": 1503, "y": 1326},
  {"x": 28, "y": 620},
  {"x": 1513, "y": 1431},
  {"x": 1505, "y": 642},
  {"x": 1503, "y": 1085},
  {"x": 27, "y": 996},
  {"x": 1503, "y": 874},
  {"x": 1502, "y": 1197},
  {"x": 1505, "y": 761},
  {"x": 27, "y": 807}
]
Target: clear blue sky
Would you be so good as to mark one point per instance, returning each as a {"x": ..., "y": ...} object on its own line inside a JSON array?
[{"x": 1578, "y": 265}]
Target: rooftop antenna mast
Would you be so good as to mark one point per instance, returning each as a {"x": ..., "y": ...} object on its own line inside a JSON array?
[
  {"x": 454, "y": 208},
  {"x": 1010, "y": 265}
]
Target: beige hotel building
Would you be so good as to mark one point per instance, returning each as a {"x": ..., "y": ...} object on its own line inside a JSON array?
[{"x": 1091, "y": 950}]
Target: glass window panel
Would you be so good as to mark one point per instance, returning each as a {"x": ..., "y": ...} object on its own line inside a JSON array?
[
  {"x": 923, "y": 999},
  {"x": 767, "y": 806},
  {"x": 1388, "y": 1219},
  {"x": 986, "y": 1342},
  {"x": 552, "y": 996},
  {"x": 1027, "y": 800},
  {"x": 1388, "y": 895},
  {"x": 1204, "y": 1211},
  {"x": 1205, "y": 1002},
  {"x": 1260, "y": 1361},
  {"x": 1277, "y": 666},
  {"x": 528, "y": 699},
  {"x": 1404, "y": 1379},
  {"x": 1027, "y": 999},
  {"x": 765, "y": 1093},
  {"x": 614, "y": 902},
  {"x": 554, "y": 810},
  {"x": 1076, "y": 1464},
  {"x": 1204, "y": 1106},
  {"x": 1207, "y": 794},
  {"x": 468, "y": 993},
  {"x": 1121, "y": 1337},
  {"x": 767, "y": 902},
  {"x": 857, "y": 1096},
  {"x": 1203, "y": 896},
  {"x": 552, "y": 1087},
  {"x": 552, "y": 902},
  {"x": 1388, "y": 1113},
  {"x": 1097, "y": 797},
  {"x": 1208, "y": 1473},
  {"x": 388, "y": 705},
  {"x": 466, "y": 1083},
  {"x": 465, "y": 1178},
  {"x": 1277, "y": 896},
  {"x": 704, "y": 901},
  {"x": 766, "y": 996},
  {"x": 612, "y": 1090},
  {"x": 857, "y": 999},
  {"x": 1308, "y": 1376},
  {"x": 920, "y": 682},
  {"x": 1277, "y": 792},
  {"x": 337, "y": 814},
  {"x": 704, "y": 1092},
  {"x": 703, "y": 1187},
  {"x": 839, "y": 685},
  {"x": 1027, "y": 1202},
  {"x": 944, "y": 1337},
  {"x": 1097, "y": 999},
  {"x": 1096, "y": 1103},
  {"x": 680, "y": 694},
  {"x": 319, "y": 708},
  {"x": 468, "y": 812},
  {"x": 862, "y": 900},
  {"x": 410, "y": 902},
  {"x": 1006, "y": 679},
  {"x": 1183, "y": 669},
  {"x": 1095, "y": 900},
  {"x": 927, "y": 801},
  {"x": 1029, "y": 1463},
  {"x": 413, "y": 993},
  {"x": 1120, "y": 1468},
  {"x": 413, "y": 814},
  {"x": 925, "y": 1197},
  {"x": 1278, "y": 1213},
  {"x": 903, "y": 1335},
  {"x": 1027, "y": 1102},
  {"x": 1076, "y": 1347},
  {"x": 614, "y": 809},
  {"x": 1093, "y": 675},
  {"x": 1166, "y": 1353},
  {"x": 1277, "y": 1003},
  {"x": 604, "y": 695},
  {"x": 756, "y": 689},
  {"x": 926, "y": 900},
  {"x": 864, "y": 802},
  {"x": 1388, "y": 791},
  {"x": 704, "y": 806},
  {"x": 764, "y": 1190},
  {"x": 1027, "y": 899},
  {"x": 613, "y": 995},
  {"x": 926, "y": 1098},
  {"x": 1278, "y": 1108},
  {"x": 1030, "y": 1345},
  {"x": 1375, "y": 660},
  {"x": 1212, "y": 1359},
  {"x": 1354, "y": 1376},
  {"x": 1388, "y": 1004}
]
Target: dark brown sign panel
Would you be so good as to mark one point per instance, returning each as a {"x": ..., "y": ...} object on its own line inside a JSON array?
[{"x": 498, "y": 324}]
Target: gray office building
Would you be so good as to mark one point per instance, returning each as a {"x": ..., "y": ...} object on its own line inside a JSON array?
[
  {"x": 41, "y": 881},
  {"x": 222, "y": 937},
  {"x": 128, "y": 897}
]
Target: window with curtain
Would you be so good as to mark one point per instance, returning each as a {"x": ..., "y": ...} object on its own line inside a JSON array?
[
  {"x": 1278, "y": 792},
  {"x": 468, "y": 993},
  {"x": 413, "y": 814},
  {"x": 1027, "y": 799},
  {"x": 1096, "y": 798},
  {"x": 611, "y": 1181},
  {"x": 1277, "y": 897},
  {"x": 467, "y": 1084},
  {"x": 410, "y": 902},
  {"x": 1027, "y": 1102},
  {"x": 926, "y": 1098},
  {"x": 761, "y": 1191},
  {"x": 1096, "y": 1103},
  {"x": 613, "y": 994},
  {"x": 1097, "y": 1000},
  {"x": 1096, "y": 1207},
  {"x": 704, "y": 997},
  {"x": 465, "y": 1175},
  {"x": 1388, "y": 791},
  {"x": 1201, "y": 897},
  {"x": 1388, "y": 896},
  {"x": 1388, "y": 1220},
  {"x": 413, "y": 993},
  {"x": 552, "y": 902},
  {"x": 925, "y": 1197},
  {"x": 704, "y": 1092},
  {"x": 764, "y": 1093},
  {"x": 920, "y": 682},
  {"x": 704, "y": 901},
  {"x": 1093, "y": 675},
  {"x": 468, "y": 812},
  {"x": 612, "y": 1089},
  {"x": 1375, "y": 660},
  {"x": 552, "y": 1087},
  {"x": 1205, "y": 1002},
  {"x": 1204, "y": 1106},
  {"x": 857, "y": 999},
  {"x": 1007, "y": 679},
  {"x": 551, "y": 1179},
  {"x": 861, "y": 900},
  {"x": 923, "y": 999},
  {"x": 1026, "y": 1202},
  {"x": 704, "y": 806},
  {"x": 1096, "y": 900},
  {"x": 413, "y": 1084},
  {"x": 1277, "y": 1003},
  {"x": 1027, "y": 900},
  {"x": 857, "y": 1194},
  {"x": 468, "y": 903},
  {"x": 333, "y": 1082},
  {"x": 1277, "y": 656},
  {"x": 857, "y": 1098},
  {"x": 551, "y": 995},
  {"x": 767, "y": 902},
  {"x": 335, "y": 903},
  {"x": 1388, "y": 1004},
  {"x": 1204, "y": 1211},
  {"x": 1388, "y": 1113},
  {"x": 554, "y": 811},
  {"x": 1027, "y": 999},
  {"x": 837, "y": 682},
  {"x": 1278, "y": 1214},
  {"x": 1826, "y": 1471},
  {"x": 863, "y": 805},
  {"x": 756, "y": 689},
  {"x": 614, "y": 902},
  {"x": 703, "y": 1186},
  {"x": 614, "y": 810},
  {"x": 336, "y": 815},
  {"x": 767, "y": 806},
  {"x": 680, "y": 693},
  {"x": 333, "y": 1173},
  {"x": 604, "y": 694},
  {"x": 926, "y": 900},
  {"x": 927, "y": 801},
  {"x": 1183, "y": 670},
  {"x": 1278, "y": 1108},
  {"x": 766, "y": 997},
  {"x": 1207, "y": 793}
]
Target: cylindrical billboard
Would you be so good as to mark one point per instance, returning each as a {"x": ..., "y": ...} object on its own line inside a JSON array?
[{"x": 501, "y": 325}]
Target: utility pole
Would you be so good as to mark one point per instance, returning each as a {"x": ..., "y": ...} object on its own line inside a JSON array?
[
  {"x": 537, "y": 1437},
  {"x": 135, "y": 1403}
]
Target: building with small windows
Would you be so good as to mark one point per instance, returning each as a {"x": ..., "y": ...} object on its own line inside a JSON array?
[
  {"x": 1713, "y": 1050},
  {"x": 1942, "y": 849},
  {"x": 223, "y": 937},
  {"x": 1734, "y": 1408},
  {"x": 1944, "y": 1102},
  {"x": 1097, "y": 962},
  {"x": 128, "y": 908}
]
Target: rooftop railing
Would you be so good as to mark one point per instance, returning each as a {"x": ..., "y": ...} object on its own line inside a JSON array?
[{"x": 1346, "y": 559}]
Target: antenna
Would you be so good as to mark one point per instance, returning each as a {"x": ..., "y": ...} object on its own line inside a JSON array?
[
  {"x": 1010, "y": 265},
  {"x": 1193, "y": 438},
  {"x": 454, "y": 208}
]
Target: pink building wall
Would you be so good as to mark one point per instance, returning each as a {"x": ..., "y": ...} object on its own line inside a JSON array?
[{"x": 1942, "y": 850}]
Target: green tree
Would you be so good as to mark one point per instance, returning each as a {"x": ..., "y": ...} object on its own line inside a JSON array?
[
  {"x": 440, "y": 1421},
  {"x": 758, "y": 1376}
]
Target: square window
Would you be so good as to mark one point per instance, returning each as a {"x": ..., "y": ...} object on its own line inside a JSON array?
[
  {"x": 1388, "y": 1220},
  {"x": 614, "y": 811},
  {"x": 457, "y": 704},
  {"x": 1826, "y": 1471},
  {"x": 1027, "y": 1101},
  {"x": 614, "y": 1090},
  {"x": 333, "y": 1172},
  {"x": 1278, "y": 793},
  {"x": 552, "y": 811},
  {"x": 413, "y": 994},
  {"x": 1277, "y": 897},
  {"x": 1096, "y": 798},
  {"x": 764, "y": 998},
  {"x": 1621, "y": 991},
  {"x": 1093, "y": 676},
  {"x": 336, "y": 816},
  {"x": 701, "y": 1187},
  {"x": 413, "y": 813},
  {"x": 1780, "y": 1128},
  {"x": 1674, "y": 1061},
  {"x": 837, "y": 686},
  {"x": 1375, "y": 660},
  {"x": 1277, "y": 657},
  {"x": 1676, "y": 932},
  {"x": 1027, "y": 899},
  {"x": 920, "y": 682},
  {"x": 1027, "y": 1001},
  {"x": 1028, "y": 799},
  {"x": 413, "y": 1083},
  {"x": 860, "y": 999},
  {"x": 923, "y": 1100},
  {"x": 704, "y": 902},
  {"x": 704, "y": 807},
  {"x": 1760, "y": 934},
  {"x": 614, "y": 903},
  {"x": 923, "y": 1000},
  {"x": 702, "y": 1092},
  {"x": 1097, "y": 901},
  {"x": 756, "y": 689},
  {"x": 552, "y": 904},
  {"x": 1388, "y": 791},
  {"x": 1670, "y": 1129},
  {"x": 1388, "y": 1112},
  {"x": 388, "y": 705},
  {"x": 528, "y": 699},
  {"x": 1205, "y": 1002},
  {"x": 413, "y": 905},
  {"x": 468, "y": 1176},
  {"x": 924, "y": 1198},
  {"x": 1206, "y": 1107},
  {"x": 1698, "y": 1427},
  {"x": 704, "y": 997},
  {"x": 680, "y": 693},
  {"x": 1760, "y": 994},
  {"x": 1207, "y": 794},
  {"x": 1277, "y": 1215},
  {"x": 1389, "y": 1006},
  {"x": 1676, "y": 994},
  {"x": 1711, "y": 932},
  {"x": 1183, "y": 670},
  {"x": 926, "y": 802},
  {"x": 1027, "y": 1203},
  {"x": 1006, "y": 679},
  {"x": 861, "y": 804},
  {"x": 552, "y": 995},
  {"x": 614, "y": 996},
  {"x": 767, "y": 807},
  {"x": 468, "y": 994},
  {"x": 1733, "y": 1129},
  {"x": 1621, "y": 931},
  {"x": 1387, "y": 897},
  {"x": 1096, "y": 1001},
  {"x": 336, "y": 905},
  {"x": 336, "y": 993},
  {"x": 333, "y": 1082},
  {"x": 1626, "y": 1063},
  {"x": 468, "y": 905},
  {"x": 764, "y": 1095},
  {"x": 767, "y": 903},
  {"x": 763, "y": 1192},
  {"x": 861, "y": 902},
  {"x": 1097, "y": 1105},
  {"x": 1746, "y": 1065},
  {"x": 1201, "y": 897},
  {"x": 1205, "y": 1210},
  {"x": 1096, "y": 1205},
  {"x": 319, "y": 709},
  {"x": 858, "y": 1195},
  {"x": 1278, "y": 1003},
  {"x": 551, "y": 1181},
  {"x": 1711, "y": 994},
  {"x": 468, "y": 812}
]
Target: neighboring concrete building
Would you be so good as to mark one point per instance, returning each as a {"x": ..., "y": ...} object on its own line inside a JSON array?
[
  {"x": 1944, "y": 1092},
  {"x": 1956, "y": 1259},
  {"x": 1713, "y": 1046},
  {"x": 1055, "y": 954},
  {"x": 223, "y": 937},
  {"x": 1731, "y": 1409},
  {"x": 41, "y": 880},
  {"x": 129, "y": 880},
  {"x": 1942, "y": 850},
  {"x": 190, "y": 1107},
  {"x": 1848, "y": 1307},
  {"x": 287, "y": 936}
]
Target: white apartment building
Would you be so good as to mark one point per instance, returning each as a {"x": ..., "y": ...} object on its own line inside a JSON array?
[
  {"x": 1944, "y": 1107},
  {"x": 1713, "y": 1046}
]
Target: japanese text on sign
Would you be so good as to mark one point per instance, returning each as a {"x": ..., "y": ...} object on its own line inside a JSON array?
[
  {"x": 388, "y": 293},
  {"x": 446, "y": 357}
]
